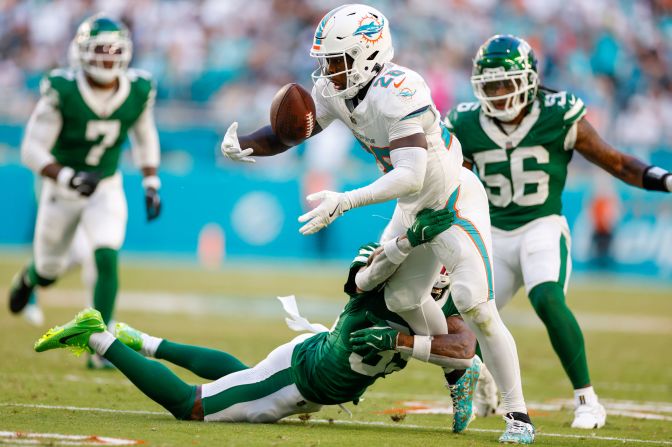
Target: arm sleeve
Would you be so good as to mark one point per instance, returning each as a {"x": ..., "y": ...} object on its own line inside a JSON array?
[
  {"x": 384, "y": 264},
  {"x": 42, "y": 131},
  {"x": 407, "y": 177},
  {"x": 145, "y": 138},
  {"x": 322, "y": 114}
]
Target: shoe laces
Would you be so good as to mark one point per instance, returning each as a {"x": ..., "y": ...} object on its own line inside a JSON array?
[{"x": 516, "y": 427}]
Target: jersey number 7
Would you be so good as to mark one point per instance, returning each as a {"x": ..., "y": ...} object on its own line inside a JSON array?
[{"x": 109, "y": 130}]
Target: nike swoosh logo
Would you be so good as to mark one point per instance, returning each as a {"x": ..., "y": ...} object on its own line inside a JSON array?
[
  {"x": 379, "y": 337},
  {"x": 398, "y": 84},
  {"x": 63, "y": 340},
  {"x": 333, "y": 212}
]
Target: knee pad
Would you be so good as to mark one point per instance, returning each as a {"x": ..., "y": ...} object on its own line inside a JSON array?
[
  {"x": 467, "y": 295},
  {"x": 481, "y": 315}
]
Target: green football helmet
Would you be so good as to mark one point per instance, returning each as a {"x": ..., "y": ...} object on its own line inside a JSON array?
[
  {"x": 504, "y": 76},
  {"x": 103, "y": 48}
]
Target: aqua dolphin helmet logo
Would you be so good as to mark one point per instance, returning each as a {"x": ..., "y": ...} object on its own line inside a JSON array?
[{"x": 370, "y": 28}]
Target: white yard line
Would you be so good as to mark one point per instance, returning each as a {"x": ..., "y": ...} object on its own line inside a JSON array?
[
  {"x": 591, "y": 435},
  {"x": 326, "y": 310},
  {"x": 29, "y": 438}
]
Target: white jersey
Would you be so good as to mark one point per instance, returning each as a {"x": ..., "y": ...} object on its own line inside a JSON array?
[{"x": 398, "y": 95}]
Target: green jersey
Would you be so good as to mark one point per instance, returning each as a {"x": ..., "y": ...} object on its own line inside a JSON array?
[
  {"x": 523, "y": 171},
  {"x": 325, "y": 368},
  {"x": 93, "y": 131}
]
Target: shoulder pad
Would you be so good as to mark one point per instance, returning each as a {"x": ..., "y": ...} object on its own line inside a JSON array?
[
  {"x": 404, "y": 90},
  {"x": 134, "y": 74},
  {"x": 569, "y": 106}
]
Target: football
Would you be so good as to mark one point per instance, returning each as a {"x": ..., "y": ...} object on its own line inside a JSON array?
[{"x": 292, "y": 114}]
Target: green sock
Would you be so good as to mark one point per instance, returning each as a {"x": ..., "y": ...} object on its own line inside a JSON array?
[
  {"x": 207, "y": 363},
  {"x": 105, "y": 291},
  {"x": 548, "y": 300},
  {"x": 154, "y": 379},
  {"x": 35, "y": 279}
]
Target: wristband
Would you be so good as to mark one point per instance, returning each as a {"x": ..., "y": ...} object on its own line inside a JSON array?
[
  {"x": 422, "y": 347},
  {"x": 64, "y": 176},
  {"x": 151, "y": 181},
  {"x": 396, "y": 253},
  {"x": 656, "y": 179}
]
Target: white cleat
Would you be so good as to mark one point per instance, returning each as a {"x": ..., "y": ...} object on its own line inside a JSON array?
[
  {"x": 589, "y": 416},
  {"x": 486, "y": 396},
  {"x": 33, "y": 314}
]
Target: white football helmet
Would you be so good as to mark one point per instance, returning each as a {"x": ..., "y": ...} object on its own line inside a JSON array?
[
  {"x": 441, "y": 286},
  {"x": 358, "y": 31},
  {"x": 103, "y": 47}
]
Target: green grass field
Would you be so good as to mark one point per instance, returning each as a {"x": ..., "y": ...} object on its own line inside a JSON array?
[{"x": 628, "y": 330}]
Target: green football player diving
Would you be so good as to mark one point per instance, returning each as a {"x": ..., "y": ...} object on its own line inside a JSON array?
[
  {"x": 326, "y": 367},
  {"x": 520, "y": 138},
  {"x": 74, "y": 140}
]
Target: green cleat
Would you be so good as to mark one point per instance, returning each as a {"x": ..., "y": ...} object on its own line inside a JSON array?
[
  {"x": 129, "y": 336},
  {"x": 73, "y": 335},
  {"x": 462, "y": 394}
]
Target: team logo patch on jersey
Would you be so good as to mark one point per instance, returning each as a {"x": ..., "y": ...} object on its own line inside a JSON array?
[
  {"x": 370, "y": 28},
  {"x": 406, "y": 93}
]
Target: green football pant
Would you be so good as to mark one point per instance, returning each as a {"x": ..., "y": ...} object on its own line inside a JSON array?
[{"x": 207, "y": 363}]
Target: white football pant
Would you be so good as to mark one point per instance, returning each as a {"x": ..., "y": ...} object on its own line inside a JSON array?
[
  {"x": 102, "y": 217},
  {"x": 465, "y": 250}
]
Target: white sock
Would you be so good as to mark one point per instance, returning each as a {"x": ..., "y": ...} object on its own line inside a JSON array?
[
  {"x": 149, "y": 345},
  {"x": 583, "y": 396},
  {"x": 101, "y": 341}
]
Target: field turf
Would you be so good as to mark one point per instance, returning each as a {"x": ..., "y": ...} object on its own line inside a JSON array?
[{"x": 627, "y": 326}]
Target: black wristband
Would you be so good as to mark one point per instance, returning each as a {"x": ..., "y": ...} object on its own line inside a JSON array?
[{"x": 654, "y": 179}]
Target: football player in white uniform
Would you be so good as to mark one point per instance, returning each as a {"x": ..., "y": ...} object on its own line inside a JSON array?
[{"x": 390, "y": 111}]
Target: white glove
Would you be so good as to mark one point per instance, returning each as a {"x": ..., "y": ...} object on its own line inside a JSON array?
[
  {"x": 231, "y": 146},
  {"x": 332, "y": 205}
]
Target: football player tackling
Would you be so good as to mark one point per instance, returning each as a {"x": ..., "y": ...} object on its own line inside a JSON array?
[
  {"x": 73, "y": 140},
  {"x": 327, "y": 368},
  {"x": 389, "y": 110},
  {"x": 520, "y": 138}
]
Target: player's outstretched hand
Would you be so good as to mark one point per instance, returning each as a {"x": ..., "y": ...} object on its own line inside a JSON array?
[
  {"x": 374, "y": 339},
  {"x": 332, "y": 205},
  {"x": 152, "y": 203},
  {"x": 231, "y": 146},
  {"x": 428, "y": 224}
]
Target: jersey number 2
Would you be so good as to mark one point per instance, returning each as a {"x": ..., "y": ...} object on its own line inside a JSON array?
[
  {"x": 514, "y": 190},
  {"x": 384, "y": 365},
  {"x": 109, "y": 130}
]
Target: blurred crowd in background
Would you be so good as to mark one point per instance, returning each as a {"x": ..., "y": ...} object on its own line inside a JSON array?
[{"x": 216, "y": 61}]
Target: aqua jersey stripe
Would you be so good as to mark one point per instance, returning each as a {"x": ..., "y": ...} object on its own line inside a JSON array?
[
  {"x": 247, "y": 392},
  {"x": 320, "y": 28},
  {"x": 446, "y": 135},
  {"x": 415, "y": 113},
  {"x": 475, "y": 236}
]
